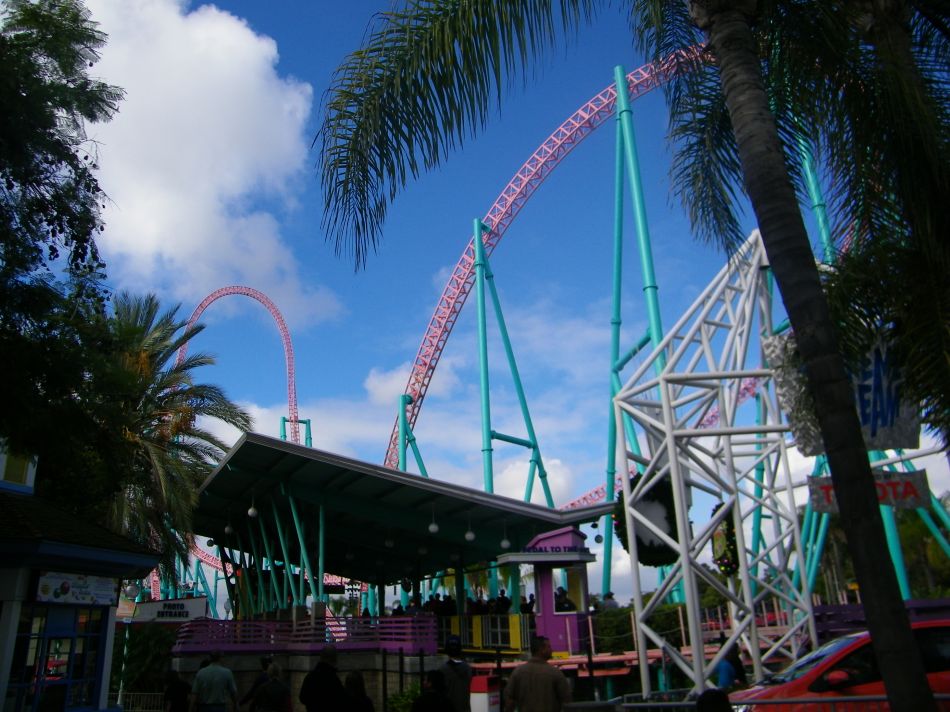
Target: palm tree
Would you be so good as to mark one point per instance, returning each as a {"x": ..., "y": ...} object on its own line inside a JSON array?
[
  {"x": 171, "y": 452},
  {"x": 424, "y": 80}
]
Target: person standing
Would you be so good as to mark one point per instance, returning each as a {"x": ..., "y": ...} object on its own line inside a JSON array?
[
  {"x": 433, "y": 697},
  {"x": 537, "y": 686},
  {"x": 322, "y": 690},
  {"x": 355, "y": 688},
  {"x": 261, "y": 679},
  {"x": 458, "y": 675},
  {"x": 213, "y": 687},
  {"x": 609, "y": 601},
  {"x": 176, "y": 693},
  {"x": 273, "y": 695}
]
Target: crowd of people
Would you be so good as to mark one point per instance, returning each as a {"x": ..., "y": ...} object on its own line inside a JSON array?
[
  {"x": 535, "y": 686},
  {"x": 476, "y": 605}
]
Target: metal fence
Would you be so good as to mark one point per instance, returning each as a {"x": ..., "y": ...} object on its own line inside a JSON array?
[{"x": 137, "y": 701}]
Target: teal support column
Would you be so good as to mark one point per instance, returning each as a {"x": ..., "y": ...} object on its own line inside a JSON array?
[
  {"x": 320, "y": 554},
  {"x": 894, "y": 540},
  {"x": 939, "y": 510},
  {"x": 246, "y": 587},
  {"x": 304, "y": 556},
  {"x": 894, "y": 546},
  {"x": 615, "y": 323},
  {"x": 282, "y": 537},
  {"x": 404, "y": 401},
  {"x": 258, "y": 565},
  {"x": 479, "y": 247},
  {"x": 815, "y": 561},
  {"x": 650, "y": 288},
  {"x": 275, "y": 590},
  {"x": 210, "y": 591},
  {"x": 283, "y": 428},
  {"x": 818, "y": 207},
  {"x": 532, "y": 440},
  {"x": 514, "y": 586},
  {"x": 934, "y": 530}
]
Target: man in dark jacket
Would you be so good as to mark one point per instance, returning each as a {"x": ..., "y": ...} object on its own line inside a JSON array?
[
  {"x": 322, "y": 690},
  {"x": 457, "y": 675}
]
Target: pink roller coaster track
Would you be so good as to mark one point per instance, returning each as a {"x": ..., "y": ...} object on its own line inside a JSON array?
[
  {"x": 520, "y": 188},
  {"x": 284, "y": 337}
]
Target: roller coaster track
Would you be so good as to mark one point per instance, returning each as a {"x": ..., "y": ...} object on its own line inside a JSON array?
[{"x": 502, "y": 213}]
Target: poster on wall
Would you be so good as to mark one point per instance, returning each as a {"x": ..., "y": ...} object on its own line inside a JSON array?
[{"x": 77, "y": 589}]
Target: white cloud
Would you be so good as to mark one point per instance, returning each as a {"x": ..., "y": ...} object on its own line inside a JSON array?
[{"x": 207, "y": 131}]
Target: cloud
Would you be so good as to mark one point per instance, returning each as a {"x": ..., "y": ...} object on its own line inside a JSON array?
[
  {"x": 385, "y": 386},
  {"x": 207, "y": 146}
]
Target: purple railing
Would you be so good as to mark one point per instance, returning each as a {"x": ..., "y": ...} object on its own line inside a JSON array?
[{"x": 409, "y": 633}]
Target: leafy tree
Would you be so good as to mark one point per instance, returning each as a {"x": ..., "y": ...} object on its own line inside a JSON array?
[
  {"x": 424, "y": 80},
  {"x": 51, "y": 295}
]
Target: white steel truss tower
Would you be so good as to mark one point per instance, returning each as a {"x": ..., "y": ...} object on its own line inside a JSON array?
[{"x": 708, "y": 423}]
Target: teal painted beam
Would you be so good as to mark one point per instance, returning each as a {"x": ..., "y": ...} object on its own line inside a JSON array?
[
  {"x": 282, "y": 538},
  {"x": 275, "y": 589},
  {"x": 532, "y": 440},
  {"x": 615, "y": 366},
  {"x": 480, "y": 260},
  {"x": 513, "y": 440},
  {"x": 818, "y": 206},
  {"x": 650, "y": 288},
  {"x": 246, "y": 589},
  {"x": 404, "y": 401},
  {"x": 258, "y": 564},
  {"x": 621, "y": 363},
  {"x": 306, "y": 572}
]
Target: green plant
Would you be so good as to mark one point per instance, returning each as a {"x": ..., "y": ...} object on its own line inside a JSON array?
[{"x": 402, "y": 701}]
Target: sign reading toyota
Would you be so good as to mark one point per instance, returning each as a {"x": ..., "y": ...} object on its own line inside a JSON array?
[{"x": 901, "y": 490}]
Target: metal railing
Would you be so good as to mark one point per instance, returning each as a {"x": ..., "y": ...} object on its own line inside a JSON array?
[
  {"x": 138, "y": 701},
  {"x": 392, "y": 634}
]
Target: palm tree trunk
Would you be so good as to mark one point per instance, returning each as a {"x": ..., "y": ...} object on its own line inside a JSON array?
[{"x": 786, "y": 242}]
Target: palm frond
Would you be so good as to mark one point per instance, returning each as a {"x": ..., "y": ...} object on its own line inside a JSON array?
[{"x": 419, "y": 87}]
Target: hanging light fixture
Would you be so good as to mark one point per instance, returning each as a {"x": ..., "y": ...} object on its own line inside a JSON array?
[
  {"x": 228, "y": 529},
  {"x": 389, "y": 543},
  {"x": 504, "y": 543},
  {"x": 252, "y": 510},
  {"x": 433, "y": 527},
  {"x": 469, "y": 534},
  {"x": 132, "y": 591}
]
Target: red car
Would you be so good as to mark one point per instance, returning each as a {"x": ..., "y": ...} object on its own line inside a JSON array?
[{"x": 846, "y": 667}]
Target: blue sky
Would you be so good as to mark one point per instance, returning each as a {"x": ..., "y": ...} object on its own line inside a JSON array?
[{"x": 211, "y": 180}]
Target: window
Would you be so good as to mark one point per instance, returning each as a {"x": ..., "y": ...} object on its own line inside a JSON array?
[
  {"x": 934, "y": 648},
  {"x": 861, "y": 665},
  {"x": 56, "y": 658}
]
